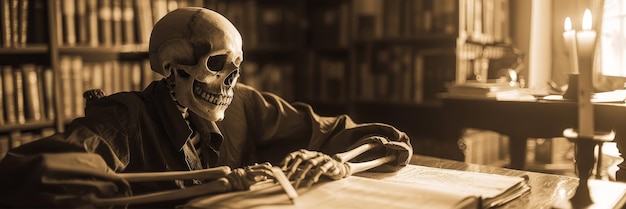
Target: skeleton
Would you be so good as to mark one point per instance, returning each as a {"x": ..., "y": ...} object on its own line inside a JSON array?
[{"x": 200, "y": 60}]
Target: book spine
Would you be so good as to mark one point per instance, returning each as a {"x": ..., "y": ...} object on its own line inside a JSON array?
[
  {"x": 128, "y": 19},
  {"x": 116, "y": 22},
  {"x": 22, "y": 22},
  {"x": 14, "y": 21},
  {"x": 19, "y": 96},
  {"x": 31, "y": 92},
  {"x": 65, "y": 71},
  {"x": 105, "y": 30},
  {"x": 41, "y": 92},
  {"x": 81, "y": 20},
  {"x": 77, "y": 85},
  {"x": 69, "y": 26},
  {"x": 418, "y": 78},
  {"x": 92, "y": 22},
  {"x": 143, "y": 21},
  {"x": 59, "y": 19},
  {"x": 97, "y": 76},
  {"x": 37, "y": 26},
  {"x": 9, "y": 94},
  {"x": 6, "y": 23},
  {"x": 48, "y": 92}
]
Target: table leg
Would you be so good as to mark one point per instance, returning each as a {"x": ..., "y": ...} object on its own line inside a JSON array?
[
  {"x": 517, "y": 152},
  {"x": 620, "y": 174}
]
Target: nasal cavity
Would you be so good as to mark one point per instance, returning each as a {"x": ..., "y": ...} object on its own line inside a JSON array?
[{"x": 231, "y": 78}]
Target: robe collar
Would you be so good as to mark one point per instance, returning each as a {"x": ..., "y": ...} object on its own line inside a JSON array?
[{"x": 177, "y": 129}]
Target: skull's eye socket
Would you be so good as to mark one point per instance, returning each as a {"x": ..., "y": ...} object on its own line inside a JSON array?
[
  {"x": 182, "y": 73},
  {"x": 216, "y": 63}
]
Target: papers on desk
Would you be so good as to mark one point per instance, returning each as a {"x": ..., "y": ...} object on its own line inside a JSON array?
[
  {"x": 494, "y": 189},
  {"x": 617, "y": 96},
  {"x": 492, "y": 91}
]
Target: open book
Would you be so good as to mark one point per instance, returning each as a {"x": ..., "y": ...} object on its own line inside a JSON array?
[
  {"x": 351, "y": 192},
  {"x": 412, "y": 187},
  {"x": 493, "y": 189}
]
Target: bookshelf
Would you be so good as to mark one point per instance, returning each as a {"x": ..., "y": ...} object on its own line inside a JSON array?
[
  {"x": 53, "y": 50},
  {"x": 377, "y": 60},
  {"x": 364, "y": 56}
]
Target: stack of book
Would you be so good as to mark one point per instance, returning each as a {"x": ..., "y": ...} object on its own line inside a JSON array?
[{"x": 482, "y": 90}]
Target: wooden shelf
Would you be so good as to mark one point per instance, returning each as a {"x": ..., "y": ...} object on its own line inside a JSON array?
[
  {"x": 129, "y": 48},
  {"x": 28, "y": 49},
  {"x": 27, "y": 126}
]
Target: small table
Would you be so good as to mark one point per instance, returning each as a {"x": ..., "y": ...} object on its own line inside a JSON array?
[{"x": 520, "y": 120}]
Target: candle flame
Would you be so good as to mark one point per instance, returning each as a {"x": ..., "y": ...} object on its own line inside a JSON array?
[
  {"x": 568, "y": 24},
  {"x": 587, "y": 20}
]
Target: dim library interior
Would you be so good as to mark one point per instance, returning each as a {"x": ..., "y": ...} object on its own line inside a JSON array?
[{"x": 450, "y": 73}]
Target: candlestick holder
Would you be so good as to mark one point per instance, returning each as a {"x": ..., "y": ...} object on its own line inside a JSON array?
[
  {"x": 584, "y": 155},
  {"x": 571, "y": 93}
]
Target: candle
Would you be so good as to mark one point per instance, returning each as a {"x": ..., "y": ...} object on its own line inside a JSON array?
[
  {"x": 569, "y": 36},
  {"x": 585, "y": 41}
]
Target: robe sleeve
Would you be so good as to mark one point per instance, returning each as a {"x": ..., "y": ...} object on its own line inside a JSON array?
[
  {"x": 278, "y": 128},
  {"x": 55, "y": 170}
]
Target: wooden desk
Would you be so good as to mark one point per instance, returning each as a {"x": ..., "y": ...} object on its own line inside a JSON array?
[
  {"x": 547, "y": 190},
  {"x": 520, "y": 120}
]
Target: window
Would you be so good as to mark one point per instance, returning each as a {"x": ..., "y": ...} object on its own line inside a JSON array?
[{"x": 613, "y": 39}]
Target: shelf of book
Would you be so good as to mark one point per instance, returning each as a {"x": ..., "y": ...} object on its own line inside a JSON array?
[{"x": 55, "y": 49}]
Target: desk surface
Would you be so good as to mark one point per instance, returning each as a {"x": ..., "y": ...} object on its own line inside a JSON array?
[{"x": 547, "y": 190}]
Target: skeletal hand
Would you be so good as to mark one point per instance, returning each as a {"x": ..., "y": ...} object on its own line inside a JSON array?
[
  {"x": 243, "y": 178},
  {"x": 307, "y": 166}
]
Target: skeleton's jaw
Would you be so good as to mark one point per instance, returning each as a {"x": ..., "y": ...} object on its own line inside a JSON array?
[
  {"x": 210, "y": 106},
  {"x": 200, "y": 93}
]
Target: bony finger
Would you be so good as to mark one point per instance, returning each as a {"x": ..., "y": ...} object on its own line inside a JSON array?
[
  {"x": 292, "y": 168},
  {"x": 266, "y": 173},
  {"x": 302, "y": 175},
  {"x": 326, "y": 167},
  {"x": 314, "y": 179},
  {"x": 315, "y": 161},
  {"x": 287, "y": 160}
]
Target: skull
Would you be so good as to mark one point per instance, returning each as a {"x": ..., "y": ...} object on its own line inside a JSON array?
[{"x": 199, "y": 51}]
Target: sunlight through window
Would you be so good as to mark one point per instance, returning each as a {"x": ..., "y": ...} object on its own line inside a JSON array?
[{"x": 613, "y": 39}]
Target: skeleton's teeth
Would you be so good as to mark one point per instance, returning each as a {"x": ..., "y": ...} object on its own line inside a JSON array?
[{"x": 216, "y": 99}]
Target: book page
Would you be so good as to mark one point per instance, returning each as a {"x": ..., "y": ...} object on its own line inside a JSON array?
[
  {"x": 350, "y": 192},
  {"x": 463, "y": 182}
]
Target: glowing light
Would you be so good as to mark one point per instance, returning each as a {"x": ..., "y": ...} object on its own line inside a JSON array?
[
  {"x": 567, "y": 25},
  {"x": 587, "y": 19}
]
